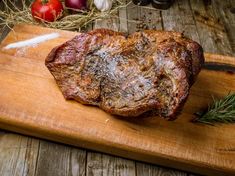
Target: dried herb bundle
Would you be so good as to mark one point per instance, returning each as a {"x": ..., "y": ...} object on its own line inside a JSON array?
[
  {"x": 11, "y": 15},
  {"x": 221, "y": 111}
]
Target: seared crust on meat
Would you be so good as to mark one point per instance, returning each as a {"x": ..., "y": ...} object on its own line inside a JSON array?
[{"x": 127, "y": 76}]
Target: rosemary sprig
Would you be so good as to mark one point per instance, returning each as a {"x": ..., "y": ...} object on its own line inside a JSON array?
[{"x": 221, "y": 111}]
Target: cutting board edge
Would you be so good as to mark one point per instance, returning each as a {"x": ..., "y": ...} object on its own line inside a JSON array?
[{"x": 121, "y": 152}]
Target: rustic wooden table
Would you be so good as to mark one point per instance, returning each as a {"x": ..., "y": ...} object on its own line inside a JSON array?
[{"x": 212, "y": 24}]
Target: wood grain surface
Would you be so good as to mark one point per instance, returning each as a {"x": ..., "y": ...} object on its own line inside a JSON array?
[
  {"x": 31, "y": 103},
  {"x": 225, "y": 13}
]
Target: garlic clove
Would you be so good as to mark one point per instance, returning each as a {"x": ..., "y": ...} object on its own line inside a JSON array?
[{"x": 103, "y": 5}]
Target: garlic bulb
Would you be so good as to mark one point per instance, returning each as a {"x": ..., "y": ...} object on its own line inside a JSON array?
[{"x": 103, "y": 5}]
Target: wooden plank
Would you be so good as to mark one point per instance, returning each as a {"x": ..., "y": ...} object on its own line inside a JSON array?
[
  {"x": 108, "y": 23},
  {"x": 150, "y": 170},
  {"x": 122, "y": 13},
  {"x": 12, "y": 162},
  {"x": 225, "y": 10},
  {"x": 133, "y": 13},
  {"x": 26, "y": 81},
  {"x": 140, "y": 18},
  {"x": 26, "y": 158},
  {"x": 60, "y": 160},
  {"x": 105, "y": 165},
  {"x": 212, "y": 33},
  {"x": 3, "y": 32},
  {"x": 180, "y": 18},
  {"x": 31, "y": 156},
  {"x": 17, "y": 155},
  {"x": 151, "y": 18}
]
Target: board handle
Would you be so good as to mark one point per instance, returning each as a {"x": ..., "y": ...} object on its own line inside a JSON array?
[{"x": 219, "y": 62}]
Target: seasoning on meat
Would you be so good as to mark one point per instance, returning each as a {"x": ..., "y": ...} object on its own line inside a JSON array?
[{"x": 148, "y": 71}]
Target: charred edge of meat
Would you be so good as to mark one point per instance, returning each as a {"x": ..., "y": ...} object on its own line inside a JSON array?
[{"x": 146, "y": 72}]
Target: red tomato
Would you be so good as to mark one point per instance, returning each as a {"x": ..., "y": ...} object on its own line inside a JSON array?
[{"x": 47, "y": 10}]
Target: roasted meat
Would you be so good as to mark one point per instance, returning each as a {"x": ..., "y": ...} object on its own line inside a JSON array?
[{"x": 149, "y": 71}]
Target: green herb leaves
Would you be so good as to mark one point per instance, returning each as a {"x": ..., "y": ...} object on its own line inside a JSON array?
[{"x": 222, "y": 111}]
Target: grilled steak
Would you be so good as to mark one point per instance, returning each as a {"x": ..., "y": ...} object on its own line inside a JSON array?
[{"x": 127, "y": 76}]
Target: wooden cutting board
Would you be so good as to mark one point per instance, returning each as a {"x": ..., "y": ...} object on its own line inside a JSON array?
[{"x": 32, "y": 104}]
